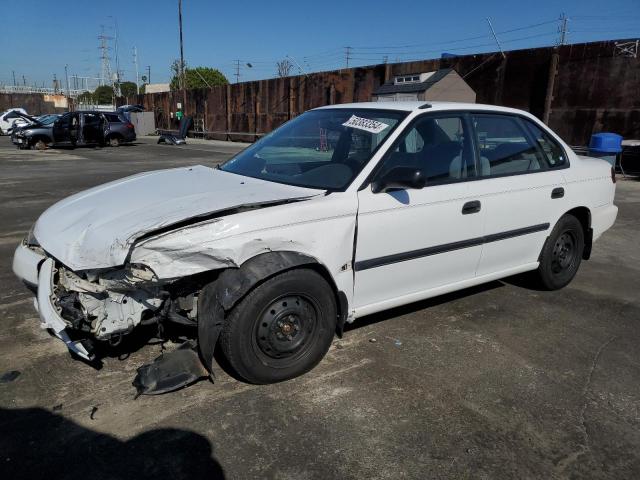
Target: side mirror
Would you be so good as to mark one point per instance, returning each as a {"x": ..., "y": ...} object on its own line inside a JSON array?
[{"x": 399, "y": 178}]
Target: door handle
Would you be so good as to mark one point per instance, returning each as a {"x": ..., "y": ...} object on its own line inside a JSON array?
[
  {"x": 557, "y": 192},
  {"x": 471, "y": 207}
]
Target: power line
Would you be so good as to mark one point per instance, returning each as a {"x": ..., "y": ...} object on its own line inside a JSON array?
[{"x": 448, "y": 42}]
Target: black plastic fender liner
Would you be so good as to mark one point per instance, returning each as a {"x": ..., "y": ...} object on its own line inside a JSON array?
[{"x": 234, "y": 283}]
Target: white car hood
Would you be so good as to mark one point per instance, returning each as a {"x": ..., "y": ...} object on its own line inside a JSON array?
[{"x": 96, "y": 228}]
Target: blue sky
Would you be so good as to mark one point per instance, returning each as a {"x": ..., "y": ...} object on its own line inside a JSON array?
[{"x": 39, "y": 37}]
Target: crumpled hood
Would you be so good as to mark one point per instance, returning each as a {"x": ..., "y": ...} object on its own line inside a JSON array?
[{"x": 96, "y": 228}]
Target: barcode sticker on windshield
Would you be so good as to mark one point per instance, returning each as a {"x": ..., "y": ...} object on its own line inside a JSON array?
[{"x": 365, "y": 124}]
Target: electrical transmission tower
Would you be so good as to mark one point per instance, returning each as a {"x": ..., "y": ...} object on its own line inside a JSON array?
[
  {"x": 562, "y": 30},
  {"x": 106, "y": 76}
]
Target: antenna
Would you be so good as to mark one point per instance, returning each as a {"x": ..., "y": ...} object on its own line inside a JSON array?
[{"x": 495, "y": 38}]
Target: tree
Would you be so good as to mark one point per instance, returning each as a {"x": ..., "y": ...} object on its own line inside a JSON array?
[
  {"x": 128, "y": 89},
  {"x": 284, "y": 67},
  {"x": 103, "y": 94},
  {"x": 198, "y": 77}
]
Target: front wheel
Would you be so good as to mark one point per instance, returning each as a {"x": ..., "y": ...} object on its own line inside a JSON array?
[
  {"x": 40, "y": 144},
  {"x": 561, "y": 254},
  {"x": 282, "y": 328}
]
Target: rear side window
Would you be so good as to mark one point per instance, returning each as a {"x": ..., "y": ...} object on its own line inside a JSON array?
[
  {"x": 553, "y": 152},
  {"x": 113, "y": 118},
  {"x": 505, "y": 147}
]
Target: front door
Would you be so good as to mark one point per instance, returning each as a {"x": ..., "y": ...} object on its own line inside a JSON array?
[
  {"x": 61, "y": 128},
  {"x": 414, "y": 241}
]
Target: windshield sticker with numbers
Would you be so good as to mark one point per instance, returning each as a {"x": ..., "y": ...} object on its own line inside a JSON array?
[{"x": 365, "y": 124}]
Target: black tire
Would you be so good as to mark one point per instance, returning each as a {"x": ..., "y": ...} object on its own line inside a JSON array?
[
  {"x": 281, "y": 329},
  {"x": 561, "y": 254},
  {"x": 40, "y": 144}
]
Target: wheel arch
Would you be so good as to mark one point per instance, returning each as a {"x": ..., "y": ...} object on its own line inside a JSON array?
[
  {"x": 583, "y": 214},
  {"x": 45, "y": 138},
  {"x": 233, "y": 284}
]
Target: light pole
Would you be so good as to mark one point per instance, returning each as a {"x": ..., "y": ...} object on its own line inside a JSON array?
[
  {"x": 182, "y": 82},
  {"x": 66, "y": 74}
]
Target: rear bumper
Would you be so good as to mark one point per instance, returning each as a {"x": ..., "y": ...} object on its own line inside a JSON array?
[
  {"x": 39, "y": 270},
  {"x": 602, "y": 219}
]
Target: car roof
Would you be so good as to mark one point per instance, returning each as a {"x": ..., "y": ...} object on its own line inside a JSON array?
[{"x": 424, "y": 106}]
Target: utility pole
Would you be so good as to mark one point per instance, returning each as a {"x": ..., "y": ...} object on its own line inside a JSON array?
[
  {"x": 14, "y": 76},
  {"x": 135, "y": 62},
  {"x": 66, "y": 74},
  {"x": 116, "y": 81},
  {"x": 495, "y": 38},
  {"x": 237, "y": 74},
  {"x": 562, "y": 29},
  {"x": 182, "y": 79},
  {"x": 24, "y": 81},
  {"x": 347, "y": 55},
  {"x": 148, "y": 73}
]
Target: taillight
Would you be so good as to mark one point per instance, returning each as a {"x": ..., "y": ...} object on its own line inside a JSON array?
[
  {"x": 613, "y": 174},
  {"x": 130, "y": 125}
]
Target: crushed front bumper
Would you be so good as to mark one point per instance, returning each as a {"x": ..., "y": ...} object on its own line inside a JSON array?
[{"x": 39, "y": 270}]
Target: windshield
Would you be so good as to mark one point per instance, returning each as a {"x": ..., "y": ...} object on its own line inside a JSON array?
[
  {"x": 47, "y": 119},
  {"x": 323, "y": 149}
]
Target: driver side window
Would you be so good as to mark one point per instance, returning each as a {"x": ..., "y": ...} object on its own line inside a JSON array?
[{"x": 439, "y": 146}]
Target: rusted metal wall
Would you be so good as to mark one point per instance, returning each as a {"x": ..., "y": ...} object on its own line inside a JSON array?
[
  {"x": 594, "y": 91},
  {"x": 33, "y": 103}
]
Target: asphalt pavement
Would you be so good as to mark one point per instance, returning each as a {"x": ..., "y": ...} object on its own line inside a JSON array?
[{"x": 494, "y": 382}]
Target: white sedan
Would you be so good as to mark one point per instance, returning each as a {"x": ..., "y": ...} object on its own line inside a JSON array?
[{"x": 342, "y": 212}]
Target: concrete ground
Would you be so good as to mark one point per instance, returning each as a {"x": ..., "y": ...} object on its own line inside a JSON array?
[{"x": 494, "y": 382}]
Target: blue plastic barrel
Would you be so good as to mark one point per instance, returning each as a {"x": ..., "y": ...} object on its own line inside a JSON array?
[{"x": 605, "y": 145}]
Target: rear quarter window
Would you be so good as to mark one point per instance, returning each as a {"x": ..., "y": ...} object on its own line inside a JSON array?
[
  {"x": 113, "y": 118},
  {"x": 553, "y": 152}
]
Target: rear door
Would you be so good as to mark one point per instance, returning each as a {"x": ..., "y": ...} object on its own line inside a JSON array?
[{"x": 521, "y": 191}]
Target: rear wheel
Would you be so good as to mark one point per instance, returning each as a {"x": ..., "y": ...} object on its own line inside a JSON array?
[
  {"x": 282, "y": 328},
  {"x": 562, "y": 254}
]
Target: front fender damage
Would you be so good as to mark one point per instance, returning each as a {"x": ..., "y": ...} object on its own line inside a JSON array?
[{"x": 232, "y": 285}]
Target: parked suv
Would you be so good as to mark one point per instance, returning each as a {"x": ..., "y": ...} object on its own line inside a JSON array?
[{"x": 76, "y": 129}]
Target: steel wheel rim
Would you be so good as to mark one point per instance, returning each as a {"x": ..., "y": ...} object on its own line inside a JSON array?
[
  {"x": 286, "y": 328},
  {"x": 564, "y": 253}
]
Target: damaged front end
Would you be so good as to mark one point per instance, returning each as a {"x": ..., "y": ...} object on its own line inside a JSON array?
[
  {"x": 84, "y": 309},
  {"x": 100, "y": 305},
  {"x": 108, "y": 305}
]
